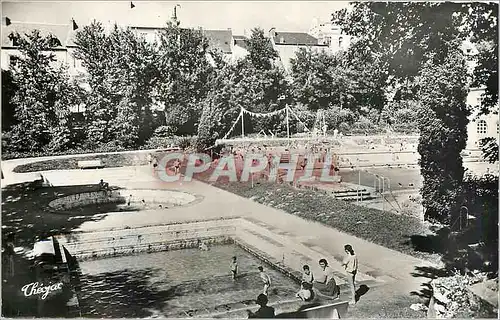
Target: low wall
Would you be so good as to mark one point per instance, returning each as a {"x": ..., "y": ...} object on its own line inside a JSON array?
[
  {"x": 101, "y": 244},
  {"x": 141, "y": 198},
  {"x": 83, "y": 199}
]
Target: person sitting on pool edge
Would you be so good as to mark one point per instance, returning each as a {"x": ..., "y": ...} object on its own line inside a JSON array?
[
  {"x": 326, "y": 284},
  {"x": 306, "y": 292},
  {"x": 264, "y": 312}
]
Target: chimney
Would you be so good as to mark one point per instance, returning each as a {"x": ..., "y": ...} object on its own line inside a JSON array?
[{"x": 272, "y": 32}]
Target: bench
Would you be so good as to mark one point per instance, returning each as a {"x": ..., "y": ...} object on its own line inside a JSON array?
[{"x": 90, "y": 164}]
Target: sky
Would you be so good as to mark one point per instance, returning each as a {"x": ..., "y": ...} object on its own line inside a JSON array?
[{"x": 240, "y": 16}]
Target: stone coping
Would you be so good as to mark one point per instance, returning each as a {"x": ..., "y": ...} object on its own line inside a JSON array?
[{"x": 138, "y": 199}]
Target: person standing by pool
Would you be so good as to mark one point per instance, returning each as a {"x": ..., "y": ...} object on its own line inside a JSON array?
[
  {"x": 265, "y": 279},
  {"x": 350, "y": 264},
  {"x": 326, "y": 284},
  {"x": 234, "y": 268}
]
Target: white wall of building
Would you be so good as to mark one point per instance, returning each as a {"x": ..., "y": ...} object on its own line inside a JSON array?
[
  {"x": 330, "y": 34},
  {"x": 480, "y": 127}
]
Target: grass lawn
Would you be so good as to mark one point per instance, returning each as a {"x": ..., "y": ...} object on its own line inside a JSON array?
[
  {"x": 108, "y": 161},
  {"x": 383, "y": 228}
]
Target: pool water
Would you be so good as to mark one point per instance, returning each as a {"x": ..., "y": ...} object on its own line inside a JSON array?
[{"x": 177, "y": 283}]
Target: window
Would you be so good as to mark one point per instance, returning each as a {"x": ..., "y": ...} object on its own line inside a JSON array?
[
  {"x": 479, "y": 100},
  {"x": 482, "y": 127},
  {"x": 498, "y": 128},
  {"x": 328, "y": 41},
  {"x": 340, "y": 41},
  {"x": 12, "y": 60}
]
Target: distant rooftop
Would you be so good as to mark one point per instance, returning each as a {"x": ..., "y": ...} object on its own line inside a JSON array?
[
  {"x": 294, "y": 38},
  {"x": 64, "y": 33}
]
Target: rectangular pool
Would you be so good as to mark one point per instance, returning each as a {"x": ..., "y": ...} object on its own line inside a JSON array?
[{"x": 180, "y": 283}]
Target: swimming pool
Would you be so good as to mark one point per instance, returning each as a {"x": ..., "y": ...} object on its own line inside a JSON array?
[{"x": 179, "y": 283}]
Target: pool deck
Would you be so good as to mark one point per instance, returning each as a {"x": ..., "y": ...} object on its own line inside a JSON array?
[{"x": 374, "y": 259}]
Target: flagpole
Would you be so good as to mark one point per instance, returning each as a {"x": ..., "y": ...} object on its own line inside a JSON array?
[
  {"x": 242, "y": 125},
  {"x": 287, "y": 124}
]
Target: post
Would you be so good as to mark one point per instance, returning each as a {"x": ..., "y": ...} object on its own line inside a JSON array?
[
  {"x": 383, "y": 199},
  {"x": 359, "y": 184},
  {"x": 287, "y": 124},
  {"x": 357, "y": 188},
  {"x": 242, "y": 125}
]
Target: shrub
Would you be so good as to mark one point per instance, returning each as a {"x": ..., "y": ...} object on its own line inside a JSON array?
[{"x": 163, "y": 132}]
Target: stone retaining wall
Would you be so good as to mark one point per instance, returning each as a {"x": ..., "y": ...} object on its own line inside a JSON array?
[
  {"x": 92, "y": 245},
  {"x": 143, "y": 197},
  {"x": 84, "y": 199}
]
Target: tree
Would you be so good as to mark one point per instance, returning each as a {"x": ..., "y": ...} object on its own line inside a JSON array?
[
  {"x": 352, "y": 80},
  {"x": 261, "y": 52},
  {"x": 262, "y": 85},
  {"x": 318, "y": 80},
  {"x": 489, "y": 149},
  {"x": 443, "y": 135},
  {"x": 43, "y": 97},
  {"x": 220, "y": 109},
  {"x": 8, "y": 109},
  {"x": 122, "y": 75},
  {"x": 481, "y": 24},
  {"x": 184, "y": 69},
  {"x": 418, "y": 41}
]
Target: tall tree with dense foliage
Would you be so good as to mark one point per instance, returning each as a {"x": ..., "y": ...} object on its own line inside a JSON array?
[
  {"x": 122, "y": 73},
  {"x": 43, "y": 98},
  {"x": 262, "y": 85},
  {"x": 8, "y": 109},
  {"x": 481, "y": 24},
  {"x": 220, "y": 108},
  {"x": 184, "y": 67},
  {"x": 417, "y": 40},
  {"x": 353, "y": 79},
  {"x": 443, "y": 135},
  {"x": 256, "y": 83}
]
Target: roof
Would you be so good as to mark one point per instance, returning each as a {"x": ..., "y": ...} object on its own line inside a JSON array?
[
  {"x": 294, "y": 38},
  {"x": 219, "y": 39},
  {"x": 64, "y": 33},
  {"x": 241, "y": 41}
]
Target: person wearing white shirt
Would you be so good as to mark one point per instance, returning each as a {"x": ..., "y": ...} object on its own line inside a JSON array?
[
  {"x": 350, "y": 265},
  {"x": 265, "y": 279}
]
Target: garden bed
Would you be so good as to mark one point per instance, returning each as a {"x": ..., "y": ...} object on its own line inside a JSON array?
[
  {"x": 380, "y": 227},
  {"x": 108, "y": 161}
]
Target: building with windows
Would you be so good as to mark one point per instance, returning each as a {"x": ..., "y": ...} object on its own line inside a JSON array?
[
  {"x": 330, "y": 35},
  {"x": 288, "y": 43},
  {"x": 63, "y": 49},
  {"x": 480, "y": 126}
]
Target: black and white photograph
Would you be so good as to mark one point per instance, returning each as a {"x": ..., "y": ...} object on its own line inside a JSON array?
[{"x": 249, "y": 159}]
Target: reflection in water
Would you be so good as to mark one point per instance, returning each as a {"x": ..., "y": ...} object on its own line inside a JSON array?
[{"x": 174, "y": 284}]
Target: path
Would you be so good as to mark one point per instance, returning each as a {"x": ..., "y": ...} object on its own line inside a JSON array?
[{"x": 373, "y": 258}]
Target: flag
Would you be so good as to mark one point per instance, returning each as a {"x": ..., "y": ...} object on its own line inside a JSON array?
[
  {"x": 7, "y": 21},
  {"x": 132, "y": 5},
  {"x": 75, "y": 26}
]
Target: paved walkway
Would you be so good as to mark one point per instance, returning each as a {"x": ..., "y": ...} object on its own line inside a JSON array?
[{"x": 219, "y": 203}]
